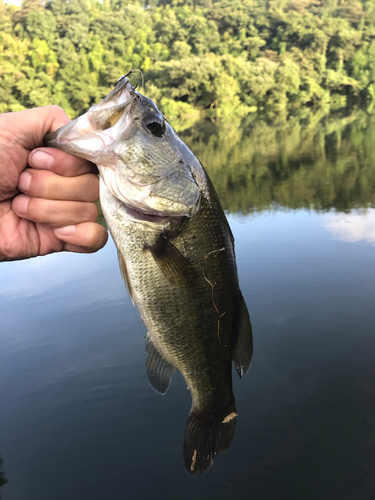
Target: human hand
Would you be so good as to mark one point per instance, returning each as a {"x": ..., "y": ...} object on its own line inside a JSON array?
[{"x": 57, "y": 211}]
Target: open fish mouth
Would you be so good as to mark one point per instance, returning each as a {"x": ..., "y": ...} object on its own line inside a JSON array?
[
  {"x": 140, "y": 216},
  {"x": 137, "y": 153},
  {"x": 98, "y": 128},
  {"x": 180, "y": 271}
]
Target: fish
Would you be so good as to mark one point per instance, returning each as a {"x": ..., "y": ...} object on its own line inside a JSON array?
[{"x": 176, "y": 256}]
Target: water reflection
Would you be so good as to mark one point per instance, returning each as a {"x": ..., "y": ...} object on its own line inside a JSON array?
[
  {"x": 353, "y": 227},
  {"x": 320, "y": 162},
  {"x": 75, "y": 401}
]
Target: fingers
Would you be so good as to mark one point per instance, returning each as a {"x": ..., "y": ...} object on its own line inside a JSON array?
[
  {"x": 28, "y": 127},
  {"x": 87, "y": 237},
  {"x": 55, "y": 213},
  {"x": 59, "y": 197},
  {"x": 48, "y": 185},
  {"x": 59, "y": 162}
]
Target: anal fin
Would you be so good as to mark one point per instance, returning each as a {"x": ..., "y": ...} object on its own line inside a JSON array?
[
  {"x": 243, "y": 348},
  {"x": 159, "y": 370}
]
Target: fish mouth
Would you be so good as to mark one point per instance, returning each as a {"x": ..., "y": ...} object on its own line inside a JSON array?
[
  {"x": 121, "y": 87},
  {"x": 140, "y": 216},
  {"x": 98, "y": 128}
]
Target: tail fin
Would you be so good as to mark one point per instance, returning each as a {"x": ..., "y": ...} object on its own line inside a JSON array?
[{"x": 205, "y": 436}]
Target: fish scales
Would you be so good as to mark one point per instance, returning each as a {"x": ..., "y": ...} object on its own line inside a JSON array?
[
  {"x": 176, "y": 255},
  {"x": 179, "y": 317}
]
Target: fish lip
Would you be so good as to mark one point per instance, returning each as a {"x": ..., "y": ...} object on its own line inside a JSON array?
[
  {"x": 48, "y": 139},
  {"x": 140, "y": 216},
  {"x": 122, "y": 84},
  {"x": 124, "y": 94}
]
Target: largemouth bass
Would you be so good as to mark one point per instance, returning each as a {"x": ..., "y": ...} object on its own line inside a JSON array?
[{"x": 176, "y": 255}]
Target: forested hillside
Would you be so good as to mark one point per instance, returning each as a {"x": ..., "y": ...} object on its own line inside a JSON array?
[{"x": 229, "y": 56}]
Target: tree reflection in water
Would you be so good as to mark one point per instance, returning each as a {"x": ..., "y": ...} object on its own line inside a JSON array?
[{"x": 315, "y": 161}]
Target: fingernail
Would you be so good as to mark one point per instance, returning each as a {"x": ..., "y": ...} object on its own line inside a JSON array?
[
  {"x": 65, "y": 231},
  {"x": 24, "y": 181},
  {"x": 40, "y": 159},
  {"x": 20, "y": 204}
]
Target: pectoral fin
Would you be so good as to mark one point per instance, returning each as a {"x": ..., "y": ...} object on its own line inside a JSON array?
[
  {"x": 243, "y": 349},
  {"x": 125, "y": 276},
  {"x": 159, "y": 371},
  {"x": 172, "y": 263}
]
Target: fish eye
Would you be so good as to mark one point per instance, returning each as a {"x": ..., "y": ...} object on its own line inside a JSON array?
[{"x": 157, "y": 129}]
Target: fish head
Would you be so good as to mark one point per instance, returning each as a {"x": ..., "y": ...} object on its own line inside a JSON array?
[{"x": 139, "y": 155}]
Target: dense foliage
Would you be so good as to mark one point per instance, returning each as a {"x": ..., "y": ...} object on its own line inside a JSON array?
[{"x": 230, "y": 56}]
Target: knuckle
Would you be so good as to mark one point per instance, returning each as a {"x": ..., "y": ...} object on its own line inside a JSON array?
[
  {"x": 9, "y": 250},
  {"x": 41, "y": 185},
  {"x": 43, "y": 211},
  {"x": 91, "y": 213},
  {"x": 35, "y": 209},
  {"x": 94, "y": 187},
  {"x": 56, "y": 110},
  {"x": 96, "y": 238},
  {"x": 69, "y": 165},
  {"x": 91, "y": 247}
]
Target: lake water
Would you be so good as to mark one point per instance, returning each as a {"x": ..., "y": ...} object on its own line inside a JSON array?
[{"x": 78, "y": 419}]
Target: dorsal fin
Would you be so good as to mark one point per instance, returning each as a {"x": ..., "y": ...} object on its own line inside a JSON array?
[
  {"x": 125, "y": 276},
  {"x": 159, "y": 370},
  {"x": 243, "y": 348}
]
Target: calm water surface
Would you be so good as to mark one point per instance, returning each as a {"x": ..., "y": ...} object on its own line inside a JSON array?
[{"x": 78, "y": 419}]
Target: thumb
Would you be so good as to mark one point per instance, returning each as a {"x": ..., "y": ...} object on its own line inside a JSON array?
[{"x": 30, "y": 126}]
